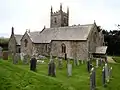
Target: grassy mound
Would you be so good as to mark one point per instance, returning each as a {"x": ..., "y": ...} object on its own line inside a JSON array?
[{"x": 16, "y": 78}]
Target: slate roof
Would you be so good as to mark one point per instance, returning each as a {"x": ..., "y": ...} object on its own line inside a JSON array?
[
  {"x": 79, "y": 32},
  {"x": 101, "y": 50},
  {"x": 18, "y": 38}
]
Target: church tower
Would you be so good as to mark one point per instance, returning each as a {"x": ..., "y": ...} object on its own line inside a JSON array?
[{"x": 59, "y": 18}]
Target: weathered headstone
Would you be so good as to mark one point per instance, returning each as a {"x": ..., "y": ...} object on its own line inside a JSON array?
[
  {"x": 26, "y": 59},
  {"x": 110, "y": 72},
  {"x": 51, "y": 68},
  {"x": 69, "y": 69},
  {"x": 92, "y": 79},
  {"x": 5, "y": 55},
  {"x": 97, "y": 62},
  {"x": 106, "y": 73},
  {"x": 33, "y": 64},
  {"x": 103, "y": 77}
]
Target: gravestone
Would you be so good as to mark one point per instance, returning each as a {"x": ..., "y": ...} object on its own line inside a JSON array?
[
  {"x": 88, "y": 66},
  {"x": 5, "y": 55},
  {"x": 106, "y": 73},
  {"x": 1, "y": 52},
  {"x": 97, "y": 62},
  {"x": 60, "y": 63},
  {"x": 33, "y": 64},
  {"x": 110, "y": 72},
  {"x": 92, "y": 79},
  {"x": 69, "y": 69},
  {"x": 26, "y": 59},
  {"x": 76, "y": 62},
  {"x": 16, "y": 58},
  {"x": 103, "y": 77},
  {"x": 51, "y": 68},
  {"x": 82, "y": 62}
]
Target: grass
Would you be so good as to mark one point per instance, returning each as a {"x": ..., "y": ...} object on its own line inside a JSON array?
[{"x": 18, "y": 77}]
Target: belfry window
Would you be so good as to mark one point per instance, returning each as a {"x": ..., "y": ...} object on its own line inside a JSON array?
[
  {"x": 26, "y": 42},
  {"x": 63, "y": 48}
]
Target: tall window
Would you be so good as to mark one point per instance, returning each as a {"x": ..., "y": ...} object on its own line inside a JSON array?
[
  {"x": 63, "y": 48},
  {"x": 26, "y": 42}
]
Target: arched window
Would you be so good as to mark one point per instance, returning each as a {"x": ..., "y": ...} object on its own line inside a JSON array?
[
  {"x": 63, "y": 48},
  {"x": 26, "y": 42}
]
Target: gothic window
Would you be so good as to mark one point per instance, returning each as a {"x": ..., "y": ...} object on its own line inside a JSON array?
[
  {"x": 55, "y": 20},
  {"x": 26, "y": 42},
  {"x": 63, "y": 48}
]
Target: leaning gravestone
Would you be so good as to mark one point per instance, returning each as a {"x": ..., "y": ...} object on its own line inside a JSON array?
[
  {"x": 26, "y": 59},
  {"x": 33, "y": 64},
  {"x": 51, "y": 68},
  {"x": 69, "y": 69}
]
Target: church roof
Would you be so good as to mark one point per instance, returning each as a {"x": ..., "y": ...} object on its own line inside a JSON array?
[
  {"x": 101, "y": 50},
  {"x": 79, "y": 32},
  {"x": 18, "y": 38}
]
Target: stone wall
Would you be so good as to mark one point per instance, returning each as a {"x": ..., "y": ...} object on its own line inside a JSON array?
[
  {"x": 74, "y": 49},
  {"x": 26, "y": 49},
  {"x": 41, "y": 49}
]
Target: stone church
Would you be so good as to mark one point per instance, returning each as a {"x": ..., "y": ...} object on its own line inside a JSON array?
[{"x": 76, "y": 41}]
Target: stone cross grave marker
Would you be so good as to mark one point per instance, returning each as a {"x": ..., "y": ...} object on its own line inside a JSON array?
[
  {"x": 103, "y": 77},
  {"x": 33, "y": 62},
  {"x": 26, "y": 59},
  {"x": 51, "y": 68},
  {"x": 69, "y": 69},
  {"x": 92, "y": 79}
]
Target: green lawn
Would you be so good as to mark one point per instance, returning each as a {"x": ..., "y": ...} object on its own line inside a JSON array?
[{"x": 18, "y": 77}]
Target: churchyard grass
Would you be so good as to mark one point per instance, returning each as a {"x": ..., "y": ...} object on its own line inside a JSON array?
[{"x": 19, "y": 77}]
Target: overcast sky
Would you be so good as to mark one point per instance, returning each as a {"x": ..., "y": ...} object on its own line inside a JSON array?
[{"x": 34, "y": 14}]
